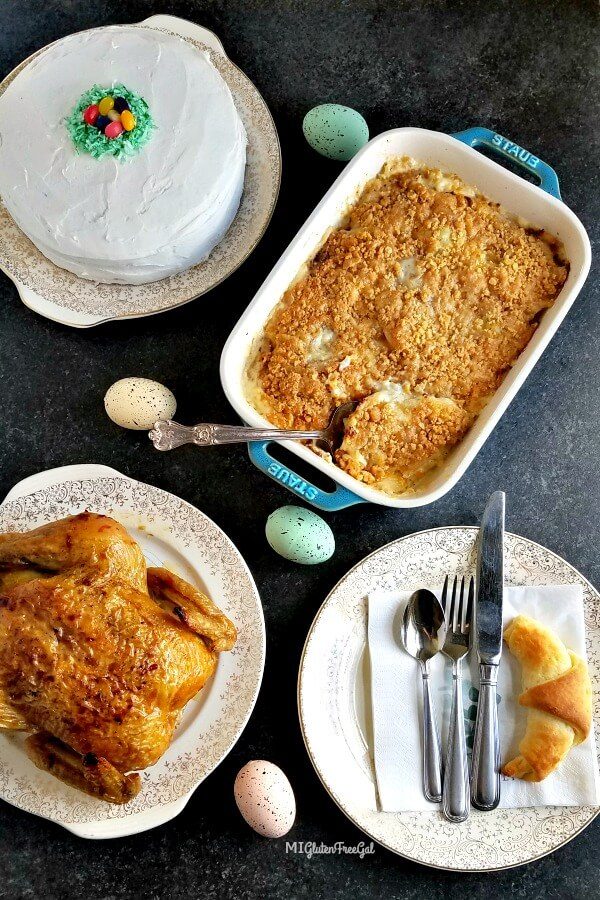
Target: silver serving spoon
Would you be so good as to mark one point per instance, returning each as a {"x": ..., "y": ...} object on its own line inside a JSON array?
[
  {"x": 423, "y": 633},
  {"x": 167, "y": 435}
]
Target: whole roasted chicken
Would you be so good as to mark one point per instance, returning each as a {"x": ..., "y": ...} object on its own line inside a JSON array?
[{"x": 98, "y": 654}]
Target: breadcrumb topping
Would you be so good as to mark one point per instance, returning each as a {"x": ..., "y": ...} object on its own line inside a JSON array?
[
  {"x": 392, "y": 443},
  {"x": 428, "y": 286}
]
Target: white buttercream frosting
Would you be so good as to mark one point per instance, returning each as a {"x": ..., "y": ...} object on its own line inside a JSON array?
[{"x": 143, "y": 219}]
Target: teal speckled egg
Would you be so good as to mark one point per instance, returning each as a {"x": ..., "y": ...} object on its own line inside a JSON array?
[
  {"x": 335, "y": 131},
  {"x": 300, "y": 535}
]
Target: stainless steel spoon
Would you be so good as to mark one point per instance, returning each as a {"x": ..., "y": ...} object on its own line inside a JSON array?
[
  {"x": 423, "y": 635},
  {"x": 167, "y": 435}
]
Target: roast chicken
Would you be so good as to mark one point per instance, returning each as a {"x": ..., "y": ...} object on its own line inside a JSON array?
[{"x": 98, "y": 654}]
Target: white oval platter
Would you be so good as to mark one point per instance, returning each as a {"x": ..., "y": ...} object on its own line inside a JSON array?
[
  {"x": 335, "y": 714},
  {"x": 173, "y": 533}
]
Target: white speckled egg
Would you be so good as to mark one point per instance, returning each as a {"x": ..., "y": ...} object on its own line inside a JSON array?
[
  {"x": 335, "y": 131},
  {"x": 265, "y": 798},
  {"x": 138, "y": 403},
  {"x": 300, "y": 535}
]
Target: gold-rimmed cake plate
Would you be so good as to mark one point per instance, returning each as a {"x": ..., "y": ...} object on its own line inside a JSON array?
[{"x": 64, "y": 297}]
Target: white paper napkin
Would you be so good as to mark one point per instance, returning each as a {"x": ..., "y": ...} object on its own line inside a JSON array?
[{"x": 397, "y": 703}]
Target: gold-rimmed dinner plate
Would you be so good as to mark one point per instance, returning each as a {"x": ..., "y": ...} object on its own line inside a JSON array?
[{"x": 335, "y": 713}]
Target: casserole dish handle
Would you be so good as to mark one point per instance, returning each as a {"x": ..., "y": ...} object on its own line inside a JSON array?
[
  {"x": 484, "y": 137},
  {"x": 325, "y": 500}
]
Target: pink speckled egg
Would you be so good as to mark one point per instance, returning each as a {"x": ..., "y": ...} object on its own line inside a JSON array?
[{"x": 265, "y": 798}]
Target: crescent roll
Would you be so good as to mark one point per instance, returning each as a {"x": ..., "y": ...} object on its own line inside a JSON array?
[{"x": 558, "y": 694}]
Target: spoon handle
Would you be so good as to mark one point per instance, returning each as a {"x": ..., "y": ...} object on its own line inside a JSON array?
[
  {"x": 168, "y": 435},
  {"x": 432, "y": 754}
]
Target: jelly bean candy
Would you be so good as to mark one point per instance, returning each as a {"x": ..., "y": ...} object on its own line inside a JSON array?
[
  {"x": 113, "y": 129},
  {"x": 128, "y": 120},
  {"x": 102, "y": 122},
  {"x": 113, "y": 115},
  {"x": 90, "y": 114},
  {"x": 121, "y": 104},
  {"x": 105, "y": 105}
]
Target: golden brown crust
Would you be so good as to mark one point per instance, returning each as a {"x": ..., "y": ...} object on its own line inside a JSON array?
[
  {"x": 10, "y": 719},
  {"x": 557, "y": 692},
  {"x": 568, "y": 697},
  {"x": 193, "y": 608},
  {"x": 399, "y": 440},
  {"x": 423, "y": 285},
  {"x": 93, "y": 775},
  {"x": 542, "y": 749},
  {"x": 541, "y": 653}
]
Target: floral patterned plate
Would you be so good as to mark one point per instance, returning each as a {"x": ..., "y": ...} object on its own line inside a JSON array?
[
  {"x": 335, "y": 715},
  {"x": 174, "y": 534},
  {"x": 63, "y": 297}
]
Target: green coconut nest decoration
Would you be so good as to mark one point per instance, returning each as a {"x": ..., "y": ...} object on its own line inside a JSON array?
[{"x": 88, "y": 138}]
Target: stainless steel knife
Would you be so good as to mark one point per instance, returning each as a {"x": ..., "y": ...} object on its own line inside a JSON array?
[{"x": 485, "y": 766}]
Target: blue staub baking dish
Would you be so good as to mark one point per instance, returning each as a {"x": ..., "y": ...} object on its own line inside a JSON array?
[{"x": 541, "y": 206}]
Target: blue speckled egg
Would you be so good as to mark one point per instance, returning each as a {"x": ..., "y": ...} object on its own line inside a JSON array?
[
  {"x": 335, "y": 131},
  {"x": 300, "y": 535}
]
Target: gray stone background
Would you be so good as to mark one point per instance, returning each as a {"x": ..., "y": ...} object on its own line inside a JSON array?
[{"x": 527, "y": 69}]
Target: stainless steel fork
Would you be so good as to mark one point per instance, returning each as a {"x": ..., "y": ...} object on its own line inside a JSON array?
[{"x": 455, "y": 799}]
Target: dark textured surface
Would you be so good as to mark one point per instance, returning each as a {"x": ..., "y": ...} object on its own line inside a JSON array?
[{"x": 526, "y": 69}]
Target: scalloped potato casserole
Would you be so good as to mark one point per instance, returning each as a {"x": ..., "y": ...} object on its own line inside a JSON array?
[{"x": 417, "y": 305}]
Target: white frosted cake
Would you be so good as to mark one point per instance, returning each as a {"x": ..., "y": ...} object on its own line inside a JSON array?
[{"x": 158, "y": 195}]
